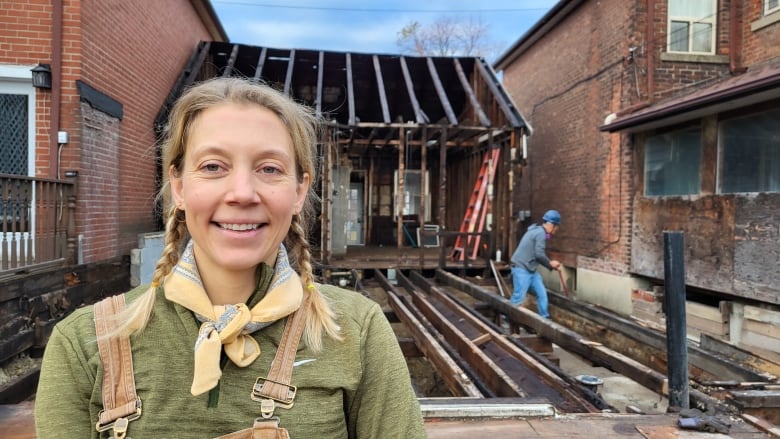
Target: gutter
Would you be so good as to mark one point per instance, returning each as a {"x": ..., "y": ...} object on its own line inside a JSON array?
[
  {"x": 209, "y": 18},
  {"x": 737, "y": 96},
  {"x": 548, "y": 22}
]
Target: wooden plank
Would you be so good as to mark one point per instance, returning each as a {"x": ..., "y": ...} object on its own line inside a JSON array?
[
  {"x": 380, "y": 85},
  {"x": 533, "y": 341},
  {"x": 489, "y": 372},
  {"x": 350, "y": 91},
  {"x": 719, "y": 329},
  {"x": 16, "y": 344},
  {"x": 441, "y": 92},
  {"x": 766, "y": 329},
  {"x": 260, "y": 64},
  {"x": 762, "y": 315},
  {"x": 770, "y": 344},
  {"x": 503, "y": 288},
  {"x": 451, "y": 373},
  {"x": 320, "y": 75},
  {"x": 464, "y": 82},
  {"x": 574, "y": 342},
  {"x": 703, "y": 311},
  {"x": 289, "y": 74},
  {"x": 743, "y": 356},
  {"x": 231, "y": 62},
  {"x": 756, "y": 398},
  {"x": 410, "y": 90}
]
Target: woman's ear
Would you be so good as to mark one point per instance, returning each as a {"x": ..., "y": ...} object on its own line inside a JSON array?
[
  {"x": 176, "y": 188},
  {"x": 302, "y": 191}
]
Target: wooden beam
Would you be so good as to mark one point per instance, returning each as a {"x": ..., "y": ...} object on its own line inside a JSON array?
[
  {"x": 494, "y": 376},
  {"x": 289, "y": 75},
  {"x": 320, "y": 75},
  {"x": 464, "y": 82},
  {"x": 498, "y": 94},
  {"x": 231, "y": 61},
  {"x": 573, "y": 341},
  {"x": 443, "y": 183},
  {"x": 260, "y": 64},
  {"x": 446, "y": 367},
  {"x": 380, "y": 85},
  {"x": 410, "y": 89},
  {"x": 350, "y": 91},
  {"x": 490, "y": 335},
  {"x": 445, "y": 102}
]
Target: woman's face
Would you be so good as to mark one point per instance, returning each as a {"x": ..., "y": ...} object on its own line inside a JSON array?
[{"x": 238, "y": 186}]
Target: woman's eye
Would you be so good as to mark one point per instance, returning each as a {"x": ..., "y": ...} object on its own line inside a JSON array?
[
  {"x": 211, "y": 167},
  {"x": 269, "y": 170}
]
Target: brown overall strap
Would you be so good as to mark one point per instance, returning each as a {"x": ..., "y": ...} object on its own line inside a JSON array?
[
  {"x": 275, "y": 389},
  {"x": 120, "y": 402},
  {"x": 277, "y": 384}
]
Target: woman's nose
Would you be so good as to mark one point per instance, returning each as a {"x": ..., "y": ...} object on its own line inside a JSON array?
[{"x": 243, "y": 187}]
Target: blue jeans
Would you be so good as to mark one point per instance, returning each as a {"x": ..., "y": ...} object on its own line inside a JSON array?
[{"x": 522, "y": 279}]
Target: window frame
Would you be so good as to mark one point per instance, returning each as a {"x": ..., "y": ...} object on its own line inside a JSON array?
[
  {"x": 731, "y": 118},
  {"x": 712, "y": 20},
  {"x": 679, "y": 129},
  {"x": 770, "y": 10}
]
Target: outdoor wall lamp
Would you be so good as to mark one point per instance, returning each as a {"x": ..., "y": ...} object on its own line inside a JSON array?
[{"x": 41, "y": 76}]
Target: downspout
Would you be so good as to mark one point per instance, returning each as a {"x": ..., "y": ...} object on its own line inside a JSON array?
[
  {"x": 56, "y": 89},
  {"x": 735, "y": 40}
]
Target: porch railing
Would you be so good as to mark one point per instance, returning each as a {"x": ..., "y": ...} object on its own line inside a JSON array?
[{"x": 36, "y": 221}]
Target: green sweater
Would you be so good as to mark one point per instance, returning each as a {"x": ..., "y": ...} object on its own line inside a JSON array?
[{"x": 357, "y": 388}]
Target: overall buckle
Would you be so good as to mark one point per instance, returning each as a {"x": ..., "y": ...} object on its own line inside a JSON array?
[
  {"x": 269, "y": 403},
  {"x": 119, "y": 425}
]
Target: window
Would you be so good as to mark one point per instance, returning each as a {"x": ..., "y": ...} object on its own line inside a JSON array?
[
  {"x": 771, "y": 6},
  {"x": 692, "y": 26},
  {"x": 672, "y": 162},
  {"x": 414, "y": 189},
  {"x": 749, "y": 153}
]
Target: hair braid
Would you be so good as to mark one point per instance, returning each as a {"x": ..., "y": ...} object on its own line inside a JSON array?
[
  {"x": 322, "y": 317},
  {"x": 134, "y": 318}
]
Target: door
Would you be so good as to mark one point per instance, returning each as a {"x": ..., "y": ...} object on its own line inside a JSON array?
[
  {"x": 17, "y": 158},
  {"x": 354, "y": 224}
]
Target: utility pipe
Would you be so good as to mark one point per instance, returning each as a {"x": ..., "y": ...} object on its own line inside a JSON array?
[{"x": 56, "y": 87}]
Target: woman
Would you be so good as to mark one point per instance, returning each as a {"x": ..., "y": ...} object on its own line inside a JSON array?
[{"x": 241, "y": 164}]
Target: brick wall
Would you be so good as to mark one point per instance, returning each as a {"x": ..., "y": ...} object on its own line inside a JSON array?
[
  {"x": 131, "y": 51},
  {"x": 763, "y": 43},
  {"x": 577, "y": 74},
  {"x": 566, "y": 84}
]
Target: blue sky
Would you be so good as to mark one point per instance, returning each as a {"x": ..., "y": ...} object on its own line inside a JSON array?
[{"x": 365, "y": 26}]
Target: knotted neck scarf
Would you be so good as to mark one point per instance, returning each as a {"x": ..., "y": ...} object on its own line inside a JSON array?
[{"x": 230, "y": 325}]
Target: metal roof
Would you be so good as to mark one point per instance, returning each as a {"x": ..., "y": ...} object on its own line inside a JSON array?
[{"x": 371, "y": 95}]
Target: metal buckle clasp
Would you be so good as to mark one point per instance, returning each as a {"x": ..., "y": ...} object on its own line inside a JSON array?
[
  {"x": 119, "y": 426},
  {"x": 258, "y": 396},
  {"x": 269, "y": 403}
]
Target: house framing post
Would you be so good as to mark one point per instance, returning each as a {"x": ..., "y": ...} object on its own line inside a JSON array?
[
  {"x": 399, "y": 197},
  {"x": 327, "y": 185},
  {"x": 442, "y": 194}
]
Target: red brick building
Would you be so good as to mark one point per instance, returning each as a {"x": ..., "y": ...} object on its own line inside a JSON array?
[
  {"x": 655, "y": 115},
  {"x": 112, "y": 65}
]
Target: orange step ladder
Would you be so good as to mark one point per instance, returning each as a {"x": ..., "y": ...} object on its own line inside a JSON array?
[{"x": 476, "y": 212}]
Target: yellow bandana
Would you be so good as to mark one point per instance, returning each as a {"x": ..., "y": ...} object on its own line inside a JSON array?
[{"x": 230, "y": 325}]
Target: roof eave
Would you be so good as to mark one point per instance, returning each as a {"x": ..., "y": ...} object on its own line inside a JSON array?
[{"x": 551, "y": 19}]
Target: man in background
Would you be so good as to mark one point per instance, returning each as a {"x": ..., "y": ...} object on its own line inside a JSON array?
[{"x": 528, "y": 255}]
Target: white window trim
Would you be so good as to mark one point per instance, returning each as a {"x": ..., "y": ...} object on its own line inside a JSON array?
[
  {"x": 18, "y": 80},
  {"x": 712, "y": 20},
  {"x": 768, "y": 10}
]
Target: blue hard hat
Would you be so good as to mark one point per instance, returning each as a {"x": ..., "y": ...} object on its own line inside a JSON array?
[{"x": 552, "y": 216}]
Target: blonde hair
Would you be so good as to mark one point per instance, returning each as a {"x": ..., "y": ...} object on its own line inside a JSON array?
[{"x": 303, "y": 126}]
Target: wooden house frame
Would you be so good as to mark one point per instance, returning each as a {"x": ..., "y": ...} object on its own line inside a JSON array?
[{"x": 387, "y": 118}]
